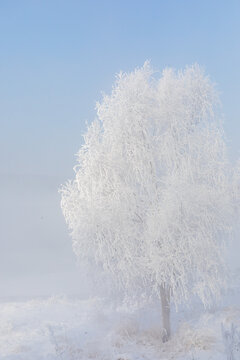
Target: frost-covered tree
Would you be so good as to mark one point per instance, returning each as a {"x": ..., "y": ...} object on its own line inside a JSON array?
[{"x": 152, "y": 198}]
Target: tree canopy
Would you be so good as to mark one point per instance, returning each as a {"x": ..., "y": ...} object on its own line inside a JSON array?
[{"x": 152, "y": 199}]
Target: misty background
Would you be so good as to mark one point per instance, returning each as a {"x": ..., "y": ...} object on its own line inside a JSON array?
[{"x": 56, "y": 59}]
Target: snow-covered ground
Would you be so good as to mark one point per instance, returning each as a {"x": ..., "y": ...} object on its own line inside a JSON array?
[{"x": 73, "y": 329}]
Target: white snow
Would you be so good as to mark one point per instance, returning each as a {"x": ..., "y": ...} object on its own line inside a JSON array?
[{"x": 73, "y": 329}]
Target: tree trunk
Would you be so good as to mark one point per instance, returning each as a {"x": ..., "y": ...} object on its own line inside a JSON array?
[{"x": 165, "y": 302}]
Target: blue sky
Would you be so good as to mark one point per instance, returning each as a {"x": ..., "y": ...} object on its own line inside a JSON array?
[
  {"x": 57, "y": 56},
  {"x": 56, "y": 59}
]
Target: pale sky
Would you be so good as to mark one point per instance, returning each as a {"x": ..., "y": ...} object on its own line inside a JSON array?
[{"x": 56, "y": 59}]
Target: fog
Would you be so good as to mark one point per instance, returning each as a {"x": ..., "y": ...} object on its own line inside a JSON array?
[{"x": 36, "y": 257}]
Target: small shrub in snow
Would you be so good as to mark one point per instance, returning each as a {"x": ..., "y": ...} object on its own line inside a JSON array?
[{"x": 231, "y": 338}]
